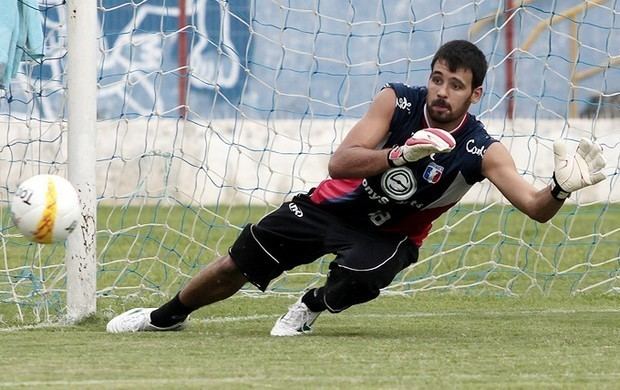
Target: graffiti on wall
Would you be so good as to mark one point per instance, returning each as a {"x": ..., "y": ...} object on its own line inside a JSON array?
[{"x": 139, "y": 66}]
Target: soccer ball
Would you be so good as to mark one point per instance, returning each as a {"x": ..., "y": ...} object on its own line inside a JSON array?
[{"x": 45, "y": 208}]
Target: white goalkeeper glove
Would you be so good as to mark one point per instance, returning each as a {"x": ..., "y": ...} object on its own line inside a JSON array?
[
  {"x": 575, "y": 172},
  {"x": 421, "y": 144}
]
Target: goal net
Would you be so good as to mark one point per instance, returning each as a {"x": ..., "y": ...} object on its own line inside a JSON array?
[{"x": 211, "y": 113}]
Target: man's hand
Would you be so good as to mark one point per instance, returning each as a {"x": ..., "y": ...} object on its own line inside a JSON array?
[
  {"x": 422, "y": 144},
  {"x": 575, "y": 172}
]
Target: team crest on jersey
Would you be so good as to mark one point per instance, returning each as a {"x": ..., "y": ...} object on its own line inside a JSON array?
[
  {"x": 432, "y": 173},
  {"x": 399, "y": 183}
]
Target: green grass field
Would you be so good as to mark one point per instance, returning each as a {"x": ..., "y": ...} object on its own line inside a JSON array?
[
  {"x": 430, "y": 341},
  {"x": 526, "y": 305}
]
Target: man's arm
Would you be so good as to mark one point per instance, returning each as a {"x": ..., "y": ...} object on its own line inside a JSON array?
[
  {"x": 499, "y": 167},
  {"x": 571, "y": 173},
  {"x": 358, "y": 156}
]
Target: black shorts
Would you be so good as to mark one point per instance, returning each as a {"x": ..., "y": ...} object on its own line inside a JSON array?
[{"x": 300, "y": 231}]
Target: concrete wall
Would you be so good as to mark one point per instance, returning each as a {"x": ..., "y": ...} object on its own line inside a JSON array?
[{"x": 256, "y": 161}]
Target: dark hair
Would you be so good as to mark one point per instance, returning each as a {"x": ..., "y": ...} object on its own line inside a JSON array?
[{"x": 461, "y": 54}]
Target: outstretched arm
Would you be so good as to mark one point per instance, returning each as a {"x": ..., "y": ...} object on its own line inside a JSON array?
[
  {"x": 499, "y": 167},
  {"x": 571, "y": 174}
]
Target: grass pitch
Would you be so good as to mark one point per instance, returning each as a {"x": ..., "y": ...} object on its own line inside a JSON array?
[
  {"x": 428, "y": 341},
  {"x": 542, "y": 311}
]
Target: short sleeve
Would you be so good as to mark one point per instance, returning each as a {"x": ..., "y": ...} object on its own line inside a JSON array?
[{"x": 409, "y": 110}]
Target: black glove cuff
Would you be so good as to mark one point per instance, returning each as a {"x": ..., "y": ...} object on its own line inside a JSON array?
[
  {"x": 391, "y": 162},
  {"x": 557, "y": 192}
]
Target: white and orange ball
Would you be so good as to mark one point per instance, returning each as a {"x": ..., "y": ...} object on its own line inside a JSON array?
[{"x": 45, "y": 208}]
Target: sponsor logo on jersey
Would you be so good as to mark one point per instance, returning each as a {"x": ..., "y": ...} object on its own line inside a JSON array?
[
  {"x": 296, "y": 210},
  {"x": 399, "y": 183},
  {"x": 432, "y": 173},
  {"x": 403, "y": 104},
  {"x": 372, "y": 194},
  {"x": 471, "y": 147}
]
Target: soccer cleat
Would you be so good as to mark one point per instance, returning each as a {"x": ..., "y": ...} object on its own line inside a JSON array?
[
  {"x": 138, "y": 320},
  {"x": 297, "y": 321}
]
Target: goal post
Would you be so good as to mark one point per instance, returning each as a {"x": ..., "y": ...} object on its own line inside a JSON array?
[
  {"x": 81, "y": 256},
  {"x": 181, "y": 121}
]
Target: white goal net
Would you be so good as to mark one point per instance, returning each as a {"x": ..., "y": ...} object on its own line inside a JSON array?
[{"x": 210, "y": 113}]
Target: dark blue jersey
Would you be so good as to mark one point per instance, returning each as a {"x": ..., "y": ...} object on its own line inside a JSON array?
[{"x": 409, "y": 198}]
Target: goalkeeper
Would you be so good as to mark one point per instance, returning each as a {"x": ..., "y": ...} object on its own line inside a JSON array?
[{"x": 410, "y": 158}]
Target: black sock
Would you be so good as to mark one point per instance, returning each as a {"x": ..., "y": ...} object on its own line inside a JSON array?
[
  {"x": 172, "y": 312},
  {"x": 314, "y": 299}
]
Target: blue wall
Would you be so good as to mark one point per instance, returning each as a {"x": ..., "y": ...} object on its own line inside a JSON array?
[{"x": 317, "y": 58}]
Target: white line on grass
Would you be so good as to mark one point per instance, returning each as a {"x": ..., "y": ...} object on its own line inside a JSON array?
[
  {"x": 42, "y": 325},
  {"x": 133, "y": 382},
  {"x": 426, "y": 314},
  {"x": 254, "y": 317},
  {"x": 348, "y": 380}
]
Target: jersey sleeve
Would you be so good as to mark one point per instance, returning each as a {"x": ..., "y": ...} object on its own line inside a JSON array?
[
  {"x": 476, "y": 146},
  {"x": 409, "y": 110}
]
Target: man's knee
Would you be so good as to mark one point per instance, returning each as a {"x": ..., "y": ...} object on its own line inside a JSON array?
[{"x": 345, "y": 288}]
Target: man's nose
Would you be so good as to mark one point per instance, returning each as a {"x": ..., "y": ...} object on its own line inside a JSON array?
[{"x": 442, "y": 91}]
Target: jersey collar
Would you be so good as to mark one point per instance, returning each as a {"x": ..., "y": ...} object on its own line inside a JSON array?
[{"x": 457, "y": 129}]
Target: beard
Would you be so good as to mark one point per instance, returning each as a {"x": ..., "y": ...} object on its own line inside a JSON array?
[{"x": 440, "y": 111}]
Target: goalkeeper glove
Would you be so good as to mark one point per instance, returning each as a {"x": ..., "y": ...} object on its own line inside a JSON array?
[
  {"x": 421, "y": 144},
  {"x": 575, "y": 172}
]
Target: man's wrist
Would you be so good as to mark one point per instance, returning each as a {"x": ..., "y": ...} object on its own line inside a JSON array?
[
  {"x": 394, "y": 157},
  {"x": 557, "y": 192}
]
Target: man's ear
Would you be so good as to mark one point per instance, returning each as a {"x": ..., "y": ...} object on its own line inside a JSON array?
[{"x": 476, "y": 95}]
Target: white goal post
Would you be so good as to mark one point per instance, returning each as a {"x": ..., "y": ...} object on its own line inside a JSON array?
[{"x": 81, "y": 253}]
